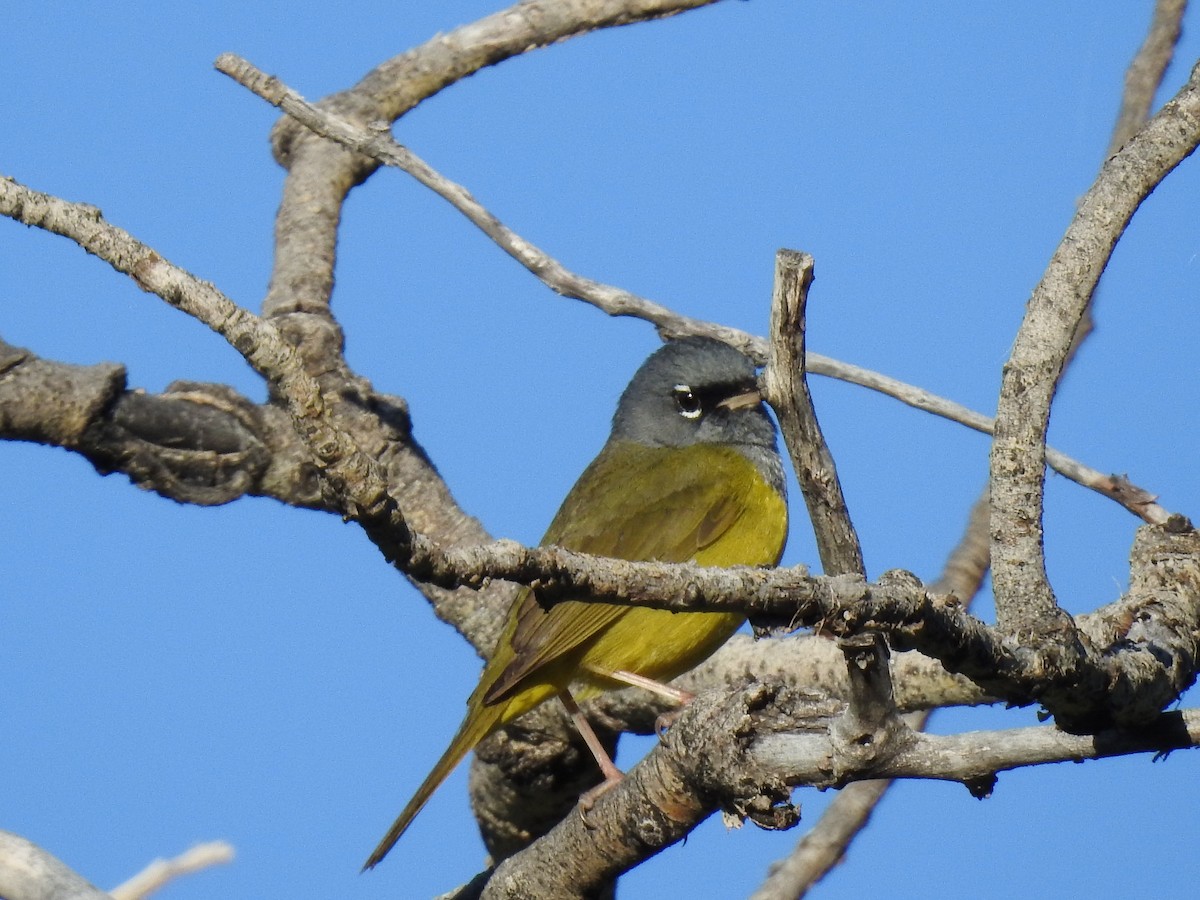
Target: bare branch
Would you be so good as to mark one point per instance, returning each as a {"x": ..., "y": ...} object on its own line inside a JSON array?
[
  {"x": 813, "y": 662},
  {"x": 826, "y": 843},
  {"x": 27, "y": 872},
  {"x": 672, "y": 790},
  {"x": 1159, "y": 655},
  {"x": 1144, "y": 76},
  {"x": 259, "y": 342},
  {"x": 739, "y": 751},
  {"x": 195, "y": 443},
  {"x": 379, "y": 145},
  {"x": 1137, "y": 500},
  {"x": 974, "y": 757},
  {"x": 320, "y": 174},
  {"x": 787, "y": 392},
  {"x": 618, "y": 302},
  {"x": 161, "y": 871},
  {"x": 511, "y": 805},
  {"x": 1025, "y": 603},
  {"x": 824, "y": 846},
  {"x": 357, "y": 484}
]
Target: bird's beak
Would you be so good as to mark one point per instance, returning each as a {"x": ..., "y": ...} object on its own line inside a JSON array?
[{"x": 742, "y": 401}]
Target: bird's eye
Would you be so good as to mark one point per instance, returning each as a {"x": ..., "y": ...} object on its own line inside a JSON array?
[{"x": 688, "y": 403}]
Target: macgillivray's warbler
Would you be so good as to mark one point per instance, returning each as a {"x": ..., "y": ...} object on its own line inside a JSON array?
[{"x": 689, "y": 472}]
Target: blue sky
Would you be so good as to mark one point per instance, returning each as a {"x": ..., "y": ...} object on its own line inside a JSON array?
[{"x": 171, "y": 674}]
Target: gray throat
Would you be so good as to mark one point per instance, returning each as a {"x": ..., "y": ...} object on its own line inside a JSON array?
[{"x": 768, "y": 462}]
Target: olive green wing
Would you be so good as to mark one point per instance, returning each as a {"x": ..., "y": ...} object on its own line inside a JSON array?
[{"x": 636, "y": 503}]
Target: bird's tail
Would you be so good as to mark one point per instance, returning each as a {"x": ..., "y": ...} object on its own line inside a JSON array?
[{"x": 480, "y": 722}]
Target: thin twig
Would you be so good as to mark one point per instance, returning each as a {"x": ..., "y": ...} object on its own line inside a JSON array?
[
  {"x": 320, "y": 175},
  {"x": 380, "y": 146},
  {"x": 1118, "y": 488},
  {"x": 615, "y": 301},
  {"x": 161, "y": 871},
  {"x": 1144, "y": 76}
]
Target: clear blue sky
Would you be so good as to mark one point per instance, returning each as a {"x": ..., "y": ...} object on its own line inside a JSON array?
[{"x": 172, "y": 674}]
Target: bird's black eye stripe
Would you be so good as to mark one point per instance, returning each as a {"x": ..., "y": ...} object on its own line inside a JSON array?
[{"x": 694, "y": 403}]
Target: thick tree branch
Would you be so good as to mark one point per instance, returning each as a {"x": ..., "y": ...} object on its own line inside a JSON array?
[
  {"x": 678, "y": 785},
  {"x": 1025, "y": 603},
  {"x": 740, "y": 751},
  {"x": 195, "y": 443},
  {"x": 259, "y": 342},
  {"x": 51, "y": 403},
  {"x": 826, "y": 843},
  {"x": 519, "y": 786},
  {"x": 361, "y": 457},
  {"x": 897, "y": 605}
]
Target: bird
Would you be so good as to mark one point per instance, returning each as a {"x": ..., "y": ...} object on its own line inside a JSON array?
[{"x": 690, "y": 472}]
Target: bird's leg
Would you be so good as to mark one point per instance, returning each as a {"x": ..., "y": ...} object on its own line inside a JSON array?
[
  {"x": 683, "y": 698},
  {"x": 612, "y": 775},
  {"x": 663, "y": 722}
]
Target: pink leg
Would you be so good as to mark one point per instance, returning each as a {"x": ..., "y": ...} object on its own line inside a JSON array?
[
  {"x": 655, "y": 687},
  {"x": 612, "y": 775}
]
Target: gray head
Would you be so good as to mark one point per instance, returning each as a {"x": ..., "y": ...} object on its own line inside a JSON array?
[{"x": 698, "y": 391}]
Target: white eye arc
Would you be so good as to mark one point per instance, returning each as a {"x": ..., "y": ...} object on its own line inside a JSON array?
[{"x": 689, "y": 404}]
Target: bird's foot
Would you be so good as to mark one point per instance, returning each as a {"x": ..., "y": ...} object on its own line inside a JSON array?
[{"x": 588, "y": 798}]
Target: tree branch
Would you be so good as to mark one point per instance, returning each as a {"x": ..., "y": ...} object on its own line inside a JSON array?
[
  {"x": 897, "y": 605},
  {"x": 825, "y": 845},
  {"x": 973, "y": 758},
  {"x": 1145, "y": 74},
  {"x": 1118, "y": 488},
  {"x": 1025, "y": 603},
  {"x": 162, "y": 871},
  {"x": 27, "y": 872},
  {"x": 614, "y": 301},
  {"x": 320, "y": 174},
  {"x": 361, "y": 459},
  {"x": 787, "y": 392},
  {"x": 195, "y": 443},
  {"x": 740, "y": 751}
]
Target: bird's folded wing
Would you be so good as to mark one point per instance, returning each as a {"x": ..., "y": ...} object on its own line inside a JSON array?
[{"x": 681, "y": 507}]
